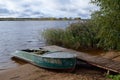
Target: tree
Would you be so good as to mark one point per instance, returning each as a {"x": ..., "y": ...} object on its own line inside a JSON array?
[{"x": 107, "y": 20}]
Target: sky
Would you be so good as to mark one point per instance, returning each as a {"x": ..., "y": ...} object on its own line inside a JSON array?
[{"x": 46, "y": 8}]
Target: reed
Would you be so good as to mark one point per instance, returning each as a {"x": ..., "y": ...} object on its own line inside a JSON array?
[
  {"x": 77, "y": 35},
  {"x": 53, "y": 36}
]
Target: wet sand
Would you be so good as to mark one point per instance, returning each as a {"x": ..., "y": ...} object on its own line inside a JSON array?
[{"x": 30, "y": 72}]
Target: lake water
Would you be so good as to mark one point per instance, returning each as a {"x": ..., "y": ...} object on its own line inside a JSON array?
[{"x": 17, "y": 35}]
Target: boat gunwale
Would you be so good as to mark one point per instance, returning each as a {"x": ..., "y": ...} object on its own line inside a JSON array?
[{"x": 32, "y": 53}]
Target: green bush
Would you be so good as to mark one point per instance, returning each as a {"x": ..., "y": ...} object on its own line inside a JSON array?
[
  {"x": 114, "y": 77},
  {"x": 77, "y": 35},
  {"x": 107, "y": 19},
  {"x": 102, "y": 31},
  {"x": 85, "y": 34}
]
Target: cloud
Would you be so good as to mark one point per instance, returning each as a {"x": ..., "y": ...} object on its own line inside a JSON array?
[
  {"x": 46, "y": 8},
  {"x": 2, "y": 10}
]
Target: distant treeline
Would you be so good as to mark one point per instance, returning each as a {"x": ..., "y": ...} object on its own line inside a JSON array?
[{"x": 50, "y": 18}]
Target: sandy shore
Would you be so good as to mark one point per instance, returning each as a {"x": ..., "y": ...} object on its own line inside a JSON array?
[
  {"x": 82, "y": 72},
  {"x": 31, "y": 72}
]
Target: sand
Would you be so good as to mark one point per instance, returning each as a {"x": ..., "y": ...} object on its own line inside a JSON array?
[
  {"x": 82, "y": 72},
  {"x": 31, "y": 72}
]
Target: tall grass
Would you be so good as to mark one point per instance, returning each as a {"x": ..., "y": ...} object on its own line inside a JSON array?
[
  {"x": 85, "y": 34},
  {"x": 53, "y": 36},
  {"x": 77, "y": 35},
  {"x": 82, "y": 35}
]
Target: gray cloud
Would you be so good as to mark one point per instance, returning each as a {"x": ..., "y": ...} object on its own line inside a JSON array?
[
  {"x": 23, "y": 15},
  {"x": 45, "y": 8},
  {"x": 2, "y": 10},
  {"x": 68, "y": 9},
  {"x": 25, "y": 5},
  {"x": 84, "y": 15}
]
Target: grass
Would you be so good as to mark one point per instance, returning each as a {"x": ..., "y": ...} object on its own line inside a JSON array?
[
  {"x": 82, "y": 35},
  {"x": 77, "y": 35},
  {"x": 53, "y": 36},
  {"x": 114, "y": 77}
]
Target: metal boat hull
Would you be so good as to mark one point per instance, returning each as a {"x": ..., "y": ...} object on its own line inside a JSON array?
[{"x": 47, "y": 62}]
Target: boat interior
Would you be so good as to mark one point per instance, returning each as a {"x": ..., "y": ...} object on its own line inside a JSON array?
[{"x": 39, "y": 51}]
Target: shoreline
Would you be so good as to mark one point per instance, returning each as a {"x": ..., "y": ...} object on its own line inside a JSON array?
[
  {"x": 82, "y": 71},
  {"x": 31, "y": 72}
]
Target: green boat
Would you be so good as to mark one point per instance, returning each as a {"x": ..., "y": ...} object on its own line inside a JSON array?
[{"x": 46, "y": 59}]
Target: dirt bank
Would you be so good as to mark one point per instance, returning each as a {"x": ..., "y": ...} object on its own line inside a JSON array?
[{"x": 30, "y": 72}]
